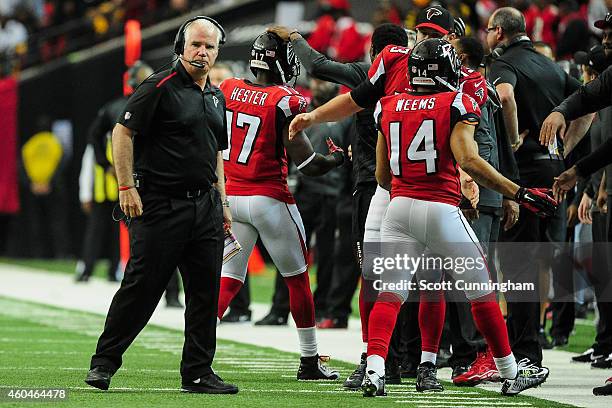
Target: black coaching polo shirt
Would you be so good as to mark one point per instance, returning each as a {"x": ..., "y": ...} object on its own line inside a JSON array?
[
  {"x": 539, "y": 86},
  {"x": 178, "y": 130}
]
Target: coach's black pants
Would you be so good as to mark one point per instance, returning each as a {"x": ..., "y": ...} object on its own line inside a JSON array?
[
  {"x": 601, "y": 277},
  {"x": 520, "y": 264},
  {"x": 346, "y": 271},
  {"x": 172, "y": 232}
]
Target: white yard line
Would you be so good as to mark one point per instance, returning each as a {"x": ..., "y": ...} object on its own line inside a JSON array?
[{"x": 568, "y": 383}]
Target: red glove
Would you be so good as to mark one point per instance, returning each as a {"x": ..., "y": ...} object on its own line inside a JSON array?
[
  {"x": 537, "y": 200},
  {"x": 335, "y": 151}
]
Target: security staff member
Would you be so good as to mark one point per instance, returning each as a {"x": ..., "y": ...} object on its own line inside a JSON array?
[
  {"x": 176, "y": 120},
  {"x": 529, "y": 86}
]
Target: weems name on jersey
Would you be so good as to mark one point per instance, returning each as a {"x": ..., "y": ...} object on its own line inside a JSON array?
[
  {"x": 249, "y": 96},
  {"x": 415, "y": 104}
]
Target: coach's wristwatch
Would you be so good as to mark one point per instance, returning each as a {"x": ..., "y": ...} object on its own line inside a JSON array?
[{"x": 225, "y": 203}]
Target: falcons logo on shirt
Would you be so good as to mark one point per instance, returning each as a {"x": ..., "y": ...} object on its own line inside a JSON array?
[
  {"x": 433, "y": 12},
  {"x": 480, "y": 93}
]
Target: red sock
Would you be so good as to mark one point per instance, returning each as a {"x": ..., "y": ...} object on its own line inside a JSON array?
[
  {"x": 490, "y": 322},
  {"x": 301, "y": 303},
  {"x": 382, "y": 321},
  {"x": 227, "y": 291},
  {"x": 432, "y": 309},
  {"x": 367, "y": 297}
]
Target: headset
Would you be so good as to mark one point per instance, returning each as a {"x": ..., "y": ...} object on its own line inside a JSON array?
[
  {"x": 179, "y": 40},
  {"x": 501, "y": 48}
]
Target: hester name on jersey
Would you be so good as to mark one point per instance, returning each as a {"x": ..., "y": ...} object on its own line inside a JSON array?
[
  {"x": 420, "y": 157},
  {"x": 255, "y": 161}
]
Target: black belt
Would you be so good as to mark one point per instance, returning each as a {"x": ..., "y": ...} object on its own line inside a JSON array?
[
  {"x": 189, "y": 194},
  {"x": 547, "y": 156}
]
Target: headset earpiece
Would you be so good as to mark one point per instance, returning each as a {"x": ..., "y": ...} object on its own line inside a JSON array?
[{"x": 179, "y": 40}]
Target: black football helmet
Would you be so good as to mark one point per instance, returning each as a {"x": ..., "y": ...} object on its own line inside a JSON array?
[
  {"x": 433, "y": 63},
  {"x": 270, "y": 53}
]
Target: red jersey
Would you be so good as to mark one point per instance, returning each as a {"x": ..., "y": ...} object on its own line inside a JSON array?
[
  {"x": 473, "y": 83},
  {"x": 417, "y": 129},
  {"x": 255, "y": 161},
  {"x": 389, "y": 71},
  {"x": 389, "y": 75}
]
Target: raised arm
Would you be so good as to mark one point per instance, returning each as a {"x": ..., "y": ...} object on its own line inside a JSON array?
[{"x": 308, "y": 162}]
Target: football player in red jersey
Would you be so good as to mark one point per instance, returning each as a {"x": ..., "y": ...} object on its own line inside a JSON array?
[
  {"x": 387, "y": 75},
  {"x": 258, "y": 116},
  {"x": 424, "y": 135}
]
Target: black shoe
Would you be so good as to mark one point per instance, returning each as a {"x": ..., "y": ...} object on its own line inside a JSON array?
[
  {"x": 605, "y": 389},
  {"x": 604, "y": 362},
  {"x": 409, "y": 369},
  {"x": 543, "y": 340},
  {"x": 236, "y": 317},
  {"x": 99, "y": 377},
  {"x": 392, "y": 372},
  {"x": 559, "y": 341},
  {"x": 528, "y": 376},
  {"x": 426, "y": 378},
  {"x": 312, "y": 368},
  {"x": 459, "y": 370},
  {"x": 587, "y": 356},
  {"x": 174, "y": 303},
  {"x": 354, "y": 381},
  {"x": 272, "y": 319},
  {"x": 373, "y": 385},
  {"x": 209, "y": 384}
]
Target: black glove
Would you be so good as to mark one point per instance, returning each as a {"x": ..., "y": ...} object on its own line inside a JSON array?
[
  {"x": 336, "y": 152},
  {"x": 537, "y": 200}
]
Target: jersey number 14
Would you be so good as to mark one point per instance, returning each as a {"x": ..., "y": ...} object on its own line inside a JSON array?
[{"x": 422, "y": 146}]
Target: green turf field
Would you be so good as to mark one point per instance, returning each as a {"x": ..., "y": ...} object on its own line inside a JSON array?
[
  {"x": 262, "y": 287},
  {"x": 46, "y": 347}
]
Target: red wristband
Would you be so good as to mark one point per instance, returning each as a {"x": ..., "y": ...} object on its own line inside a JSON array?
[{"x": 125, "y": 188}]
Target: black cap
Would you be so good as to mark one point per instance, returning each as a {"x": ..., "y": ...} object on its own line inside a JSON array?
[
  {"x": 436, "y": 18},
  {"x": 605, "y": 22},
  {"x": 595, "y": 58}
]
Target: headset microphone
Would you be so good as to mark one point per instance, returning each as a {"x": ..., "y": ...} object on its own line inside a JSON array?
[{"x": 196, "y": 64}]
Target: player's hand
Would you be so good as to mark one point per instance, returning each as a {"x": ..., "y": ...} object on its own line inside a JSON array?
[
  {"x": 602, "y": 201},
  {"x": 521, "y": 139},
  {"x": 470, "y": 190},
  {"x": 553, "y": 124},
  {"x": 299, "y": 123},
  {"x": 572, "y": 215},
  {"x": 565, "y": 182},
  {"x": 511, "y": 213},
  {"x": 537, "y": 200},
  {"x": 282, "y": 31},
  {"x": 584, "y": 210},
  {"x": 227, "y": 219},
  {"x": 130, "y": 203},
  {"x": 335, "y": 151}
]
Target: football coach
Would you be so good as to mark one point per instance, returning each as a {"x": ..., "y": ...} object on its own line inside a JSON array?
[
  {"x": 167, "y": 151},
  {"x": 529, "y": 86}
]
